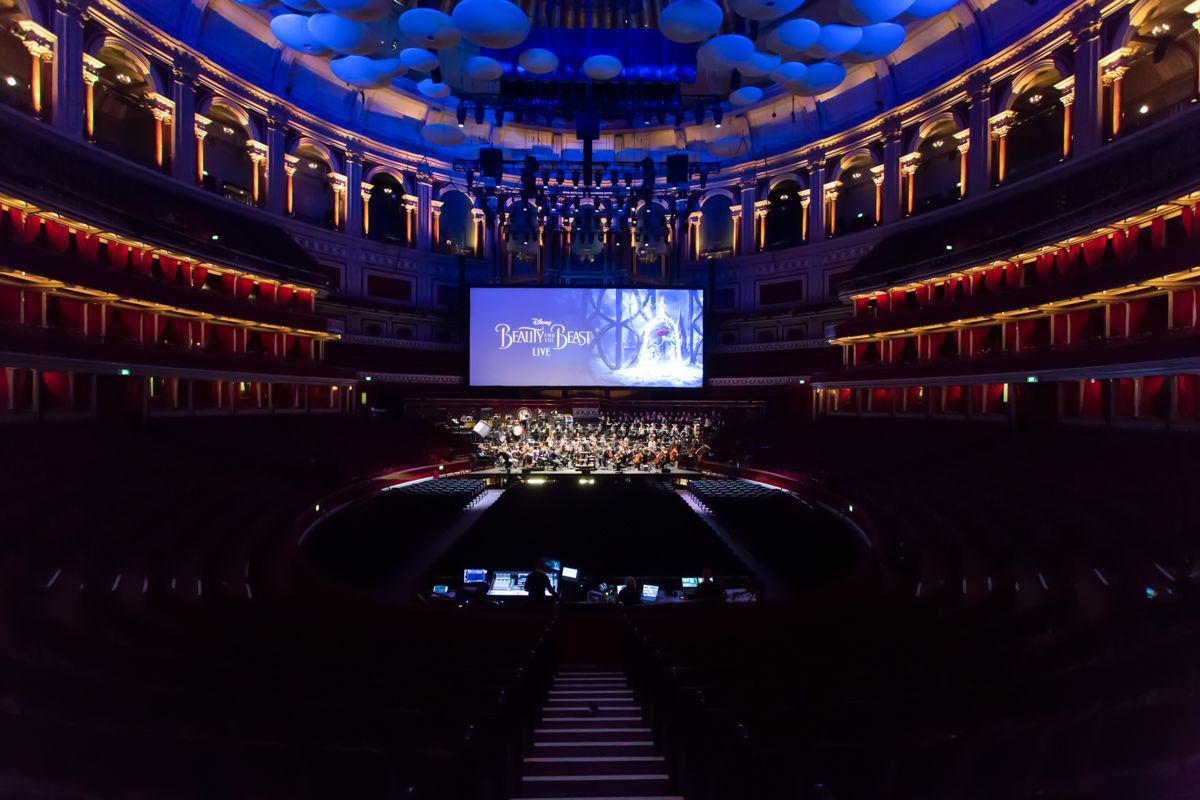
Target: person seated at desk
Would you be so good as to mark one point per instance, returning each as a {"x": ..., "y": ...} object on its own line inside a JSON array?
[
  {"x": 708, "y": 590},
  {"x": 538, "y": 585},
  {"x": 631, "y": 594}
]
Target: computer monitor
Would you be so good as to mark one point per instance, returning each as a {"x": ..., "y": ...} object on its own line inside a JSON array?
[
  {"x": 691, "y": 583},
  {"x": 649, "y": 591},
  {"x": 551, "y": 564},
  {"x": 441, "y": 589},
  {"x": 570, "y": 573},
  {"x": 475, "y": 576}
]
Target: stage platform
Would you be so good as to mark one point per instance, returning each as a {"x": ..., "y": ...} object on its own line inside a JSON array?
[{"x": 493, "y": 472}]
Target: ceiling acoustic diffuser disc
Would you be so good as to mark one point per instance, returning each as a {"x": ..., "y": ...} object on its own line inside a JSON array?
[
  {"x": 497, "y": 24},
  {"x": 746, "y": 96},
  {"x": 602, "y": 68},
  {"x": 483, "y": 68},
  {"x": 764, "y": 10},
  {"x": 302, "y": 5},
  {"x": 417, "y": 59},
  {"x": 724, "y": 52},
  {"x": 359, "y": 10},
  {"x": 426, "y": 27},
  {"x": 292, "y": 30},
  {"x": 365, "y": 73},
  {"x": 868, "y": 12},
  {"x": 433, "y": 89},
  {"x": 445, "y": 135},
  {"x": 834, "y": 40},
  {"x": 344, "y": 36},
  {"x": 821, "y": 78},
  {"x": 538, "y": 61},
  {"x": 690, "y": 21},
  {"x": 879, "y": 40},
  {"x": 790, "y": 75},
  {"x": 793, "y": 37},
  {"x": 759, "y": 65}
]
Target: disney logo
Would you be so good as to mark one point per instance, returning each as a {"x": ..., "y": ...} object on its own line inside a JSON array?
[{"x": 539, "y": 321}]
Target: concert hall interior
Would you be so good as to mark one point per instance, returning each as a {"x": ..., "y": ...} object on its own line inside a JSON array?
[{"x": 644, "y": 399}]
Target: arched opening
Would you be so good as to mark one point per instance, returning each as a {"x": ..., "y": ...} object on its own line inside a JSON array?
[
  {"x": 855, "y": 208},
  {"x": 1161, "y": 69},
  {"x": 784, "y": 224},
  {"x": 16, "y": 63},
  {"x": 124, "y": 123},
  {"x": 456, "y": 227},
  {"x": 387, "y": 218},
  {"x": 312, "y": 194},
  {"x": 228, "y": 170},
  {"x": 1034, "y": 139},
  {"x": 938, "y": 179},
  {"x": 716, "y": 227}
]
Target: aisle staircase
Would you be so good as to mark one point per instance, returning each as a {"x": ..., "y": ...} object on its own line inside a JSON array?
[{"x": 592, "y": 742}]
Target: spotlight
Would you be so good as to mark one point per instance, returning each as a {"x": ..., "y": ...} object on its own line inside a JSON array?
[
  {"x": 461, "y": 113},
  {"x": 575, "y": 177},
  {"x": 717, "y": 115},
  {"x": 560, "y": 177}
]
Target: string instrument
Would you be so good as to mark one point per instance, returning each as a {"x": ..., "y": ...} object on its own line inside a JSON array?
[
  {"x": 637, "y": 457},
  {"x": 674, "y": 455}
]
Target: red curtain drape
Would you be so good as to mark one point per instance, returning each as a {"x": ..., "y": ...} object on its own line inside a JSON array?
[
  {"x": 72, "y": 313},
  {"x": 229, "y": 283},
  {"x": 1079, "y": 321},
  {"x": 933, "y": 343},
  {"x": 1125, "y": 243},
  {"x": 199, "y": 275},
  {"x": 142, "y": 261},
  {"x": 1137, "y": 312},
  {"x": 1058, "y": 329},
  {"x": 118, "y": 255},
  {"x": 25, "y": 227},
  {"x": 33, "y": 308},
  {"x": 1158, "y": 233},
  {"x": 1191, "y": 220},
  {"x": 305, "y": 300},
  {"x": 88, "y": 245},
  {"x": 923, "y": 294},
  {"x": 993, "y": 278},
  {"x": 1093, "y": 250},
  {"x": 883, "y": 300},
  {"x": 1183, "y": 308},
  {"x": 1012, "y": 274},
  {"x": 284, "y": 295},
  {"x": 860, "y": 350},
  {"x": 58, "y": 236},
  {"x": 1187, "y": 395},
  {"x": 266, "y": 292},
  {"x": 169, "y": 267},
  {"x": 1045, "y": 265},
  {"x": 1065, "y": 258},
  {"x": 898, "y": 297},
  {"x": 245, "y": 286},
  {"x": 860, "y": 304},
  {"x": 226, "y": 337}
]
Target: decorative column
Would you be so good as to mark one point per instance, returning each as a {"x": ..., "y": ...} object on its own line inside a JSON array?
[
  {"x": 41, "y": 45},
  {"x": 805, "y": 199},
  {"x": 410, "y": 221},
  {"x": 816, "y": 185},
  {"x": 979, "y": 164},
  {"x": 337, "y": 182},
  {"x": 479, "y": 220},
  {"x": 91, "y": 76},
  {"x": 892, "y": 177},
  {"x": 908, "y": 168},
  {"x": 200, "y": 131},
  {"x": 831, "y": 196},
  {"x": 163, "y": 111},
  {"x": 760, "y": 224},
  {"x": 735, "y": 213},
  {"x": 877, "y": 178},
  {"x": 353, "y": 209},
  {"x": 747, "y": 236},
  {"x": 1193, "y": 8},
  {"x": 289, "y": 194},
  {"x": 435, "y": 224},
  {"x": 1001, "y": 124},
  {"x": 1112, "y": 70},
  {"x": 1087, "y": 106},
  {"x": 962, "y": 141},
  {"x": 279, "y": 181},
  {"x": 693, "y": 235},
  {"x": 364, "y": 194},
  {"x": 1066, "y": 96},
  {"x": 424, "y": 211},
  {"x": 185, "y": 154},
  {"x": 67, "y": 21},
  {"x": 258, "y": 157}
]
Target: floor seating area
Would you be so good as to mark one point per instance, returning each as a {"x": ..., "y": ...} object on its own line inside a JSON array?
[
  {"x": 802, "y": 542},
  {"x": 603, "y": 529}
]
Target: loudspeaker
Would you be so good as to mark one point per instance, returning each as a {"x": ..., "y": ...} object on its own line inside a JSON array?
[
  {"x": 491, "y": 163},
  {"x": 677, "y": 168},
  {"x": 587, "y": 126}
]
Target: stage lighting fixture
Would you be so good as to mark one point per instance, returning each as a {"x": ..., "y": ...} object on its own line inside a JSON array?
[
  {"x": 462, "y": 115},
  {"x": 545, "y": 178},
  {"x": 479, "y": 114},
  {"x": 575, "y": 177},
  {"x": 717, "y": 114},
  {"x": 678, "y": 118},
  {"x": 560, "y": 177},
  {"x": 699, "y": 115}
]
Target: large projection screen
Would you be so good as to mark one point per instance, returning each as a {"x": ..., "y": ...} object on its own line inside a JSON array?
[{"x": 587, "y": 337}]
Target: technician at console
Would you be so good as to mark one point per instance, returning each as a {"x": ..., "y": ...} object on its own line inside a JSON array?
[{"x": 537, "y": 584}]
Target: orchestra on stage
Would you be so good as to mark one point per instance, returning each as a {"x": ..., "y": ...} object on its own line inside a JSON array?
[{"x": 618, "y": 442}]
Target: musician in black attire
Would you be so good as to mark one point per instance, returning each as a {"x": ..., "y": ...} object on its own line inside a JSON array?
[
  {"x": 631, "y": 595},
  {"x": 708, "y": 591}
]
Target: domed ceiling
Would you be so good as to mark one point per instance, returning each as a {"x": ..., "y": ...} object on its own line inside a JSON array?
[{"x": 452, "y": 73}]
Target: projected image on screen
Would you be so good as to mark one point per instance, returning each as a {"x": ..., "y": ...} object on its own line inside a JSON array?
[{"x": 587, "y": 337}]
